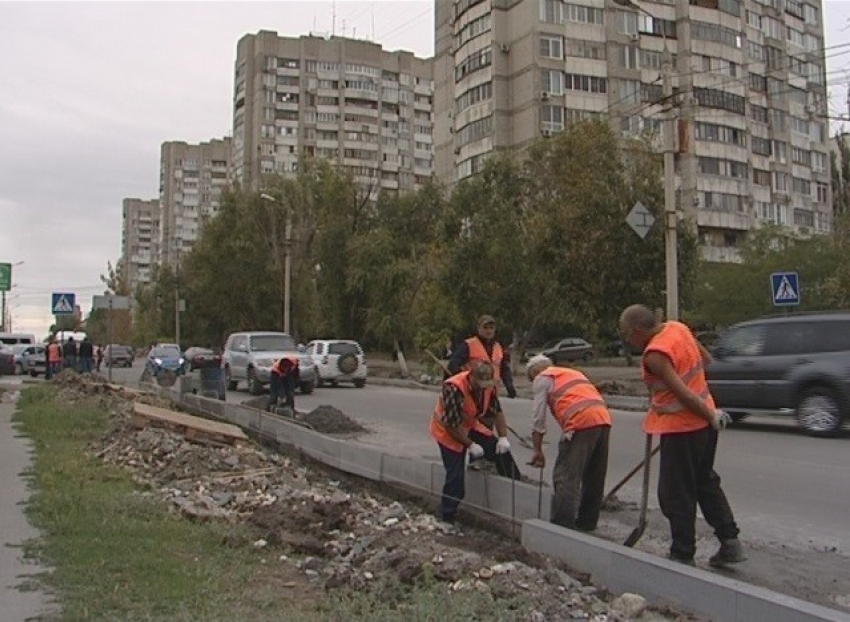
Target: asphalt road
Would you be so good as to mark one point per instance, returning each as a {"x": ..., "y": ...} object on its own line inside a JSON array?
[{"x": 785, "y": 487}]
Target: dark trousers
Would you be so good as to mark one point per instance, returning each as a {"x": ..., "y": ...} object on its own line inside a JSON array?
[
  {"x": 70, "y": 361},
  {"x": 454, "y": 487},
  {"x": 579, "y": 478},
  {"x": 687, "y": 478},
  {"x": 281, "y": 386}
]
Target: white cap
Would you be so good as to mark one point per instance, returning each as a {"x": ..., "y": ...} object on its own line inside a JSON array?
[{"x": 541, "y": 360}]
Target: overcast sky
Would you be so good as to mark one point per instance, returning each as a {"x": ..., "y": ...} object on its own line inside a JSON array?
[{"x": 89, "y": 92}]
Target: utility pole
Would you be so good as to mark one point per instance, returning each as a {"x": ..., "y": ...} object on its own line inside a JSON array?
[
  {"x": 671, "y": 251},
  {"x": 177, "y": 292},
  {"x": 287, "y": 272}
]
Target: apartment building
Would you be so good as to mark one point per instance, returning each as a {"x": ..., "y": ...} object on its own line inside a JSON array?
[
  {"x": 343, "y": 99},
  {"x": 749, "y": 78},
  {"x": 139, "y": 235},
  {"x": 191, "y": 180}
]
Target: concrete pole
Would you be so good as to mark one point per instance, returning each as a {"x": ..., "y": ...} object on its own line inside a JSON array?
[
  {"x": 287, "y": 274},
  {"x": 671, "y": 252}
]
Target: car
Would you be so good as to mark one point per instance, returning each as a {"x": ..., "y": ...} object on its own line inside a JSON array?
[
  {"x": 35, "y": 360},
  {"x": 7, "y": 360},
  {"x": 198, "y": 358},
  {"x": 569, "y": 350},
  {"x": 11, "y": 339},
  {"x": 792, "y": 365},
  {"x": 249, "y": 356},
  {"x": 115, "y": 355},
  {"x": 338, "y": 360},
  {"x": 162, "y": 360}
]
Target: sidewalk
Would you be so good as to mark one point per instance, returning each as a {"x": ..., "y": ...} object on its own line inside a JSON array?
[{"x": 19, "y": 603}]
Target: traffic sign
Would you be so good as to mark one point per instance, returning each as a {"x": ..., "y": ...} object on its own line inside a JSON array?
[
  {"x": 785, "y": 288},
  {"x": 5, "y": 277},
  {"x": 63, "y": 304},
  {"x": 112, "y": 302},
  {"x": 640, "y": 219}
]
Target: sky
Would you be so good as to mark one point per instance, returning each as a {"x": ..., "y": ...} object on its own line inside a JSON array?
[{"x": 90, "y": 91}]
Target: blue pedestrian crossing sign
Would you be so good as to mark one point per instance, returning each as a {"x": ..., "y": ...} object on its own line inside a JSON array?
[
  {"x": 63, "y": 304},
  {"x": 785, "y": 287}
]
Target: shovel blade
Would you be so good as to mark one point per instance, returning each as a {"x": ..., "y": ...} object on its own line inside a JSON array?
[{"x": 634, "y": 536}]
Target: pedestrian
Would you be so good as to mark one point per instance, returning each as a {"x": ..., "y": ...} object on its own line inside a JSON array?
[
  {"x": 98, "y": 357},
  {"x": 682, "y": 412},
  {"x": 578, "y": 477},
  {"x": 484, "y": 347},
  {"x": 53, "y": 356},
  {"x": 284, "y": 375},
  {"x": 69, "y": 351},
  {"x": 461, "y": 424},
  {"x": 86, "y": 356}
]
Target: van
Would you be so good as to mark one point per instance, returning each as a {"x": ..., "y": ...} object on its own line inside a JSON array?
[{"x": 11, "y": 339}]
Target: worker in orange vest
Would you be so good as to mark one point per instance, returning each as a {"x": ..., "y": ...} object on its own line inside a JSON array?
[
  {"x": 484, "y": 347},
  {"x": 284, "y": 375},
  {"x": 53, "y": 359},
  {"x": 682, "y": 412},
  {"x": 461, "y": 423},
  {"x": 578, "y": 477}
]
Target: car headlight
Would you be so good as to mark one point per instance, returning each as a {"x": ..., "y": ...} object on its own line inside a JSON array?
[
  {"x": 158, "y": 361},
  {"x": 181, "y": 361}
]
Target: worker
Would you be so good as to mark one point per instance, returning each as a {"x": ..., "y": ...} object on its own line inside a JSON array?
[
  {"x": 484, "y": 347},
  {"x": 460, "y": 425},
  {"x": 579, "y": 473},
  {"x": 682, "y": 412},
  {"x": 53, "y": 356},
  {"x": 283, "y": 377}
]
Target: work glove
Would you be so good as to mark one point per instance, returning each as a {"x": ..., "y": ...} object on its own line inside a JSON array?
[
  {"x": 476, "y": 451},
  {"x": 720, "y": 419},
  {"x": 511, "y": 392},
  {"x": 503, "y": 446}
]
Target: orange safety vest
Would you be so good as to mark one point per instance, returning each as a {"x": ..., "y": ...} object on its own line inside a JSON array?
[
  {"x": 278, "y": 369},
  {"x": 471, "y": 415},
  {"x": 666, "y": 415},
  {"x": 478, "y": 353},
  {"x": 574, "y": 401},
  {"x": 54, "y": 354}
]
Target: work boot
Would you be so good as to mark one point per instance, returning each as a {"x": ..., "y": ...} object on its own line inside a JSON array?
[
  {"x": 687, "y": 561},
  {"x": 730, "y": 552}
]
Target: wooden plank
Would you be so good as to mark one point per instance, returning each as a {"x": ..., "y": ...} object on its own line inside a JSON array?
[{"x": 172, "y": 417}]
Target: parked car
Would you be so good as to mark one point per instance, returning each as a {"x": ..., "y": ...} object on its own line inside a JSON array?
[
  {"x": 795, "y": 365},
  {"x": 35, "y": 360},
  {"x": 165, "y": 359},
  {"x": 569, "y": 350},
  {"x": 338, "y": 360},
  {"x": 7, "y": 360},
  {"x": 249, "y": 356},
  {"x": 198, "y": 358},
  {"x": 115, "y": 355},
  {"x": 11, "y": 339}
]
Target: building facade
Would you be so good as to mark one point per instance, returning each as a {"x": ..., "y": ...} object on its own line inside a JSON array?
[
  {"x": 191, "y": 180},
  {"x": 139, "y": 236},
  {"x": 748, "y": 77},
  {"x": 346, "y": 100}
]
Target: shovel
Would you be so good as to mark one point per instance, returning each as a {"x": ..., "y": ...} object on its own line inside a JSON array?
[
  {"x": 638, "y": 531},
  {"x": 629, "y": 476}
]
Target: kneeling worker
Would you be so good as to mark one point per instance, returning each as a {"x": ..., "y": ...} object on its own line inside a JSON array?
[
  {"x": 284, "y": 376},
  {"x": 460, "y": 424},
  {"x": 579, "y": 474}
]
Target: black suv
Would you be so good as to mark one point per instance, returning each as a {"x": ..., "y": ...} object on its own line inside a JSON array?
[{"x": 786, "y": 365}]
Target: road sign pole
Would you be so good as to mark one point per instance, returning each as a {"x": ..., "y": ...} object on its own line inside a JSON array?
[{"x": 3, "y": 312}]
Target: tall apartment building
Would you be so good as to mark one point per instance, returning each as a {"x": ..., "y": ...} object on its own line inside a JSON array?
[
  {"x": 749, "y": 76},
  {"x": 139, "y": 234},
  {"x": 346, "y": 100},
  {"x": 191, "y": 180}
]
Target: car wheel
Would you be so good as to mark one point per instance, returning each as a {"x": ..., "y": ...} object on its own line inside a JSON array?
[
  {"x": 255, "y": 387},
  {"x": 231, "y": 383},
  {"x": 307, "y": 388},
  {"x": 738, "y": 417},
  {"x": 819, "y": 412},
  {"x": 360, "y": 383},
  {"x": 587, "y": 357},
  {"x": 319, "y": 381}
]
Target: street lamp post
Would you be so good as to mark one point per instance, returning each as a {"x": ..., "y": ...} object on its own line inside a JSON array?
[
  {"x": 287, "y": 264},
  {"x": 671, "y": 248}
]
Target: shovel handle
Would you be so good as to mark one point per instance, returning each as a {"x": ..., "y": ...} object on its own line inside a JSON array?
[{"x": 629, "y": 476}]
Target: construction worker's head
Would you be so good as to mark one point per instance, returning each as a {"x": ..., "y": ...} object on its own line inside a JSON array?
[
  {"x": 637, "y": 325},
  {"x": 486, "y": 327},
  {"x": 536, "y": 365},
  {"x": 483, "y": 376}
]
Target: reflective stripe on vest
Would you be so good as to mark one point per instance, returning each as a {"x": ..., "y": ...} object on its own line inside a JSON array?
[
  {"x": 471, "y": 415},
  {"x": 666, "y": 414},
  {"x": 574, "y": 401}
]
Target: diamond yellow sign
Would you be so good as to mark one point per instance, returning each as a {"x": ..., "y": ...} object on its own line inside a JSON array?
[{"x": 5, "y": 277}]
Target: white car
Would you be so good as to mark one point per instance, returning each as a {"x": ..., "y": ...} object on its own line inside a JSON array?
[{"x": 338, "y": 360}]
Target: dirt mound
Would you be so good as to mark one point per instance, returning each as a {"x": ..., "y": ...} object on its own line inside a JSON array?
[{"x": 330, "y": 420}]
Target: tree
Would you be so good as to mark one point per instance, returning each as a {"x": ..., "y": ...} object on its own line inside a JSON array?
[
  {"x": 840, "y": 169},
  {"x": 97, "y": 322}
]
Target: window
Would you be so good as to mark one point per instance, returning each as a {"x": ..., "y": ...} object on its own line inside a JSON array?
[
  {"x": 761, "y": 146},
  {"x": 627, "y": 23},
  {"x": 474, "y": 95},
  {"x": 474, "y": 131},
  {"x": 772, "y": 27},
  {"x": 627, "y": 57},
  {"x": 758, "y": 113},
  {"x": 705, "y": 31},
  {"x": 482, "y": 24},
  {"x": 811, "y": 14},
  {"x": 801, "y": 126},
  {"x": 552, "y": 118},
  {"x": 755, "y": 50},
  {"x": 629, "y": 91},
  {"x": 583, "y": 14},
  {"x": 819, "y": 161},
  {"x": 758, "y": 83},
  {"x": 725, "y": 168},
  {"x": 552, "y": 46},
  {"x": 552, "y": 82},
  {"x": 588, "y": 84},
  {"x": 821, "y": 192},
  {"x": 473, "y": 62},
  {"x": 743, "y": 341},
  {"x": 801, "y": 156},
  {"x": 761, "y": 178},
  {"x": 754, "y": 20},
  {"x": 796, "y": 37},
  {"x": 804, "y": 217},
  {"x": 722, "y": 202},
  {"x": 780, "y": 182},
  {"x": 801, "y": 186},
  {"x": 779, "y": 150},
  {"x": 713, "y": 98},
  {"x": 584, "y": 49}
]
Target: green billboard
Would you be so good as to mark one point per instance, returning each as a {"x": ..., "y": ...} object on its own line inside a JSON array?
[{"x": 5, "y": 277}]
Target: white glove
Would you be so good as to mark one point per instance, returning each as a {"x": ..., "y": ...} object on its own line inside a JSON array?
[
  {"x": 476, "y": 451},
  {"x": 503, "y": 446},
  {"x": 720, "y": 420}
]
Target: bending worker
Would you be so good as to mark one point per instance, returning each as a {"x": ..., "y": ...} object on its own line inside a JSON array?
[
  {"x": 683, "y": 414},
  {"x": 585, "y": 425},
  {"x": 458, "y": 425},
  {"x": 484, "y": 347},
  {"x": 284, "y": 375}
]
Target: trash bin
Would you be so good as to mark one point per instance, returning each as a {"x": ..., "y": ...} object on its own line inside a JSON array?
[{"x": 212, "y": 381}]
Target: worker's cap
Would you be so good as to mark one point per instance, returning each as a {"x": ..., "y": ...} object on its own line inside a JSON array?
[
  {"x": 541, "y": 361},
  {"x": 483, "y": 374},
  {"x": 486, "y": 319}
]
